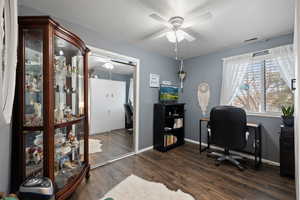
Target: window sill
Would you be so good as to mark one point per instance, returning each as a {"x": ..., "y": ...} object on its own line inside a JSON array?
[{"x": 273, "y": 115}]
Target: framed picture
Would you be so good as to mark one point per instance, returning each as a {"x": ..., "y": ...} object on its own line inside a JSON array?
[
  {"x": 154, "y": 80},
  {"x": 293, "y": 83}
]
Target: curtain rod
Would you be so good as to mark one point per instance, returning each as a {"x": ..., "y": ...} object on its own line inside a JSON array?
[
  {"x": 125, "y": 63},
  {"x": 130, "y": 63},
  {"x": 258, "y": 52},
  {"x": 261, "y": 53}
]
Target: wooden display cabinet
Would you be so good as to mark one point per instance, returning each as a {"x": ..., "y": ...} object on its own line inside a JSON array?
[{"x": 50, "y": 123}]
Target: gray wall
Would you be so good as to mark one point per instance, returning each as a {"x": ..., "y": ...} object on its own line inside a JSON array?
[
  {"x": 5, "y": 149},
  {"x": 208, "y": 68},
  {"x": 149, "y": 63}
]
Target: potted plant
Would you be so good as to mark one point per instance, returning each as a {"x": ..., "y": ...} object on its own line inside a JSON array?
[
  {"x": 288, "y": 115},
  {"x": 181, "y": 75}
]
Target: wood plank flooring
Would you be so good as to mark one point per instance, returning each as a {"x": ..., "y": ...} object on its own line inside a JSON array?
[
  {"x": 114, "y": 144},
  {"x": 185, "y": 169}
]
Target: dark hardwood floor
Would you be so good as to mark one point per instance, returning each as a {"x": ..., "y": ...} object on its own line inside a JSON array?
[
  {"x": 114, "y": 144},
  {"x": 184, "y": 168}
]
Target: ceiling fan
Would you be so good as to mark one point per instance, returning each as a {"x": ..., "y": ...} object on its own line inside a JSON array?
[{"x": 177, "y": 29}]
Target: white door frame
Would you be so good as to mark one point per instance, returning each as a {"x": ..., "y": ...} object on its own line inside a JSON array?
[
  {"x": 297, "y": 97},
  {"x": 110, "y": 54}
]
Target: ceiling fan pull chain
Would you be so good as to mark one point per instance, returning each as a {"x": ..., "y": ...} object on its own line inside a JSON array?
[{"x": 176, "y": 44}]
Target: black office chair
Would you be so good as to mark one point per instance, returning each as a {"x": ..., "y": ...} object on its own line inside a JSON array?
[
  {"x": 228, "y": 126},
  {"x": 128, "y": 117}
]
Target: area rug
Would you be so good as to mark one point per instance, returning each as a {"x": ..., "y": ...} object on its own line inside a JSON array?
[
  {"x": 94, "y": 146},
  {"x": 136, "y": 188}
]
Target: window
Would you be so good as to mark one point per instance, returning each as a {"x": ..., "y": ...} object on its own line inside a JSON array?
[{"x": 263, "y": 89}]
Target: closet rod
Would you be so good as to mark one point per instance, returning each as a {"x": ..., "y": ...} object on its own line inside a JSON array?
[{"x": 125, "y": 63}]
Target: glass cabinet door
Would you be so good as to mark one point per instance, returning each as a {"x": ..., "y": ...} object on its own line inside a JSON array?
[
  {"x": 33, "y": 145},
  {"x": 69, "y": 153},
  {"x": 69, "y": 107},
  {"x": 68, "y": 81},
  {"x": 33, "y": 97}
]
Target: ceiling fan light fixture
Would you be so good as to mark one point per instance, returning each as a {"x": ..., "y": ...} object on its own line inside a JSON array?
[
  {"x": 61, "y": 52},
  {"x": 172, "y": 37},
  {"x": 108, "y": 65}
]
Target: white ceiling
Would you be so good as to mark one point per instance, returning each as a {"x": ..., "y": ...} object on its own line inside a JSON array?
[
  {"x": 128, "y": 21},
  {"x": 96, "y": 63}
]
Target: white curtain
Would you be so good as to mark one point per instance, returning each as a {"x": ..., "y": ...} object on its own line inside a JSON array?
[
  {"x": 130, "y": 93},
  {"x": 297, "y": 95},
  {"x": 284, "y": 57},
  {"x": 234, "y": 71},
  {"x": 8, "y": 57}
]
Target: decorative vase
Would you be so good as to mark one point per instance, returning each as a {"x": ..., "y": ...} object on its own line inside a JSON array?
[
  {"x": 288, "y": 121},
  {"x": 181, "y": 75}
]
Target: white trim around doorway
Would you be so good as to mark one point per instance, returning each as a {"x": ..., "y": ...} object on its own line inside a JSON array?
[{"x": 137, "y": 87}]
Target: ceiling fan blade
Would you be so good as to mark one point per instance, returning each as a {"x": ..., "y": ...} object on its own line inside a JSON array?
[
  {"x": 202, "y": 18},
  {"x": 160, "y": 19},
  {"x": 188, "y": 37},
  {"x": 193, "y": 32},
  {"x": 157, "y": 34},
  {"x": 163, "y": 8},
  {"x": 203, "y": 8}
]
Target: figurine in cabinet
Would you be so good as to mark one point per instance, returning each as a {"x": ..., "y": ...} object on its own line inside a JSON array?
[
  {"x": 68, "y": 165},
  {"x": 56, "y": 65},
  {"x": 40, "y": 83},
  {"x": 73, "y": 90},
  {"x": 34, "y": 155},
  {"x": 27, "y": 81},
  {"x": 34, "y": 85},
  {"x": 68, "y": 113},
  {"x": 35, "y": 118},
  {"x": 62, "y": 161},
  {"x": 37, "y": 110},
  {"x": 72, "y": 140},
  {"x": 66, "y": 89},
  {"x": 59, "y": 114},
  {"x": 59, "y": 63},
  {"x": 74, "y": 69},
  {"x": 57, "y": 88}
]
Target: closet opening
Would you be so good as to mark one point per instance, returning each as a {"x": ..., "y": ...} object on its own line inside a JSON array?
[{"x": 113, "y": 106}]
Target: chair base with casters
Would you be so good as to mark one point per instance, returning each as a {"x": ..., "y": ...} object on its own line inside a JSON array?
[{"x": 226, "y": 156}]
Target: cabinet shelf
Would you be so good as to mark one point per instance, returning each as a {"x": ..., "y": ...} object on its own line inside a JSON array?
[
  {"x": 169, "y": 147},
  {"x": 36, "y": 170},
  {"x": 174, "y": 117},
  {"x": 34, "y": 92},
  {"x": 173, "y": 130},
  {"x": 60, "y": 125},
  {"x": 33, "y": 128},
  {"x": 69, "y": 123}
]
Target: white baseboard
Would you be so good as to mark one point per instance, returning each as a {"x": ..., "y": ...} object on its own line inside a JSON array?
[
  {"x": 269, "y": 162},
  {"x": 145, "y": 149}
]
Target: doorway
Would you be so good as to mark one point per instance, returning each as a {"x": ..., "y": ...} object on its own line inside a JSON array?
[{"x": 113, "y": 106}]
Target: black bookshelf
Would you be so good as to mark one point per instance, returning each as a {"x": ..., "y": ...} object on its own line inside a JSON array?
[
  {"x": 168, "y": 126},
  {"x": 287, "y": 152}
]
